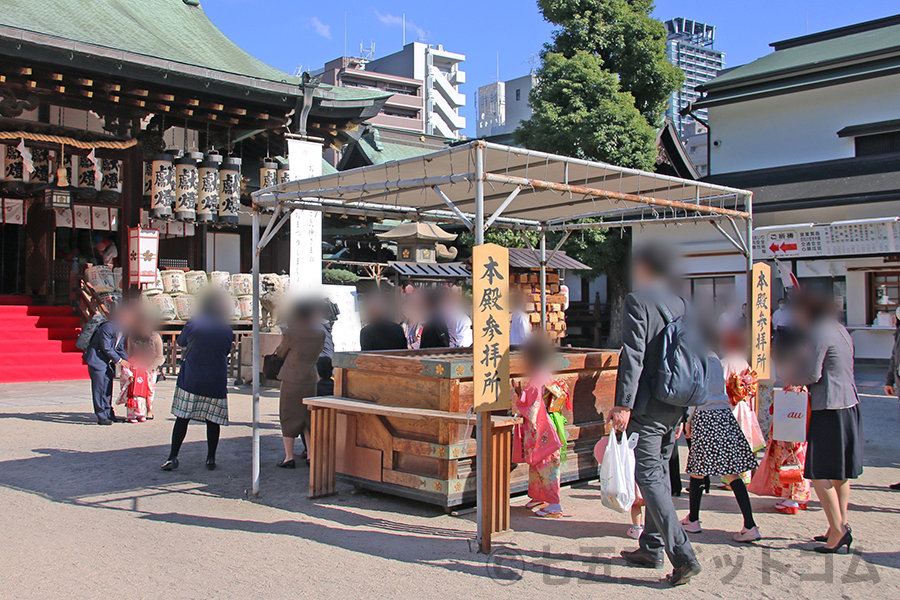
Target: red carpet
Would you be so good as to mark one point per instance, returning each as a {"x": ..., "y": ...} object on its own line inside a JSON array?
[{"x": 37, "y": 343}]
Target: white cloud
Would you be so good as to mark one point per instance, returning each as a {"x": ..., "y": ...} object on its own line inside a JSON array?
[
  {"x": 391, "y": 20},
  {"x": 320, "y": 28}
]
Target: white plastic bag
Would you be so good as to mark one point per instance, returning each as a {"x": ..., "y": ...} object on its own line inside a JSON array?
[
  {"x": 789, "y": 415},
  {"x": 617, "y": 473}
]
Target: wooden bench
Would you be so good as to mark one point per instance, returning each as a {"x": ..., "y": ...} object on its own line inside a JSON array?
[{"x": 323, "y": 448}]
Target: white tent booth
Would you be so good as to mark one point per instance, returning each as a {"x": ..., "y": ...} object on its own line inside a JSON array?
[{"x": 482, "y": 185}]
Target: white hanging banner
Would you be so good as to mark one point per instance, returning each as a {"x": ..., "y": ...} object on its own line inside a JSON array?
[
  {"x": 12, "y": 211},
  {"x": 99, "y": 218},
  {"x": 64, "y": 217},
  {"x": 306, "y": 225},
  {"x": 82, "y": 217}
]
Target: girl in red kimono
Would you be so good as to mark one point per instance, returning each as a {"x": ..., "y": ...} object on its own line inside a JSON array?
[
  {"x": 145, "y": 351},
  {"x": 540, "y": 403}
]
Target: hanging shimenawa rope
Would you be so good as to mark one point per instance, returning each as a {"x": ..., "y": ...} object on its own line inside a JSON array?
[{"x": 57, "y": 139}]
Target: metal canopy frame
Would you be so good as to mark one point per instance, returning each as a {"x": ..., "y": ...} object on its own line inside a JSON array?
[{"x": 522, "y": 190}]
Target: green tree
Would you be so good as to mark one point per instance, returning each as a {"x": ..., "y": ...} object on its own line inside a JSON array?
[{"x": 601, "y": 92}]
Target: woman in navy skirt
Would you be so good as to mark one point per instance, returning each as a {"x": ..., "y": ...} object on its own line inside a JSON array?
[{"x": 835, "y": 443}]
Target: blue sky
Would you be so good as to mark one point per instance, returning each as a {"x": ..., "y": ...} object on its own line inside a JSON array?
[{"x": 298, "y": 33}]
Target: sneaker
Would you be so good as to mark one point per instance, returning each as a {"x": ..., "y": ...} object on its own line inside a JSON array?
[
  {"x": 747, "y": 535},
  {"x": 691, "y": 526},
  {"x": 634, "y": 532}
]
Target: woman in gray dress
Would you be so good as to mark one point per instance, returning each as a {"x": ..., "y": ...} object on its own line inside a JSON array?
[
  {"x": 301, "y": 344},
  {"x": 835, "y": 443}
]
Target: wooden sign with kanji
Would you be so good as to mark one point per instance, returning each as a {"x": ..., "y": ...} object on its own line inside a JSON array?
[
  {"x": 490, "y": 326},
  {"x": 760, "y": 325}
]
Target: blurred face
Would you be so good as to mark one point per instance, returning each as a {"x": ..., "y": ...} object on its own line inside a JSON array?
[{"x": 641, "y": 274}]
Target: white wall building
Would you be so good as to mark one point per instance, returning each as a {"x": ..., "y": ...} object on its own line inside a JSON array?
[
  {"x": 503, "y": 105},
  {"x": 813, "y": 129}
]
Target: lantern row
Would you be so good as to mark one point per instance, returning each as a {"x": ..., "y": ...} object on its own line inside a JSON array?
[
  {"x": 23, "y": 173},
  {"x": 194, "y": 187}
]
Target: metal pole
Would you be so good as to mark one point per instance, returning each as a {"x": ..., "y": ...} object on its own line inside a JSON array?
[
  {"x": 749, "y": 209},
  {"x": 543, "y": 281},
  {"x": 481, "y": 464},
  {"x": 255, "y": 448}
]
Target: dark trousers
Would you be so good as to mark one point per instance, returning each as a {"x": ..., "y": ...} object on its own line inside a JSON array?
[
  {"x": 675, "y": 471},
  {"x": 662, "y": 530},
  {"x": 101, "y": 390}
]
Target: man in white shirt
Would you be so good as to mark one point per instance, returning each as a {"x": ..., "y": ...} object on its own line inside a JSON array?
[
  {"x": 459, "y": 324},
  {"x": 520, "y": 326},
  {"x": 782, "y": 321}
]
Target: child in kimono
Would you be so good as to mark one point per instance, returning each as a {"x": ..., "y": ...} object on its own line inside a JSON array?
[
  {"x": 145, "y": 354},
  {"x": 540, "y": 403}
]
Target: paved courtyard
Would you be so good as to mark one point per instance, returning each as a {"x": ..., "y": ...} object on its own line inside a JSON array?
[{"x": 85, "y": 512}]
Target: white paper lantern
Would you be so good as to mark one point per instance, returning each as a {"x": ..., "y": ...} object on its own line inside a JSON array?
[
  {"x": 187, "y": 186},
  {"x": 208, "y": 195},
  {"x": 110, "y": 179},
  {"x": 161, "y": 187},
  {"x": 229, "y": 191},
  {"x": 284, "y": 172}
]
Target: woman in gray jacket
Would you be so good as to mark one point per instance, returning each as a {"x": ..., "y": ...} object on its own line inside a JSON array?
[{"x": 835, "y": 443}]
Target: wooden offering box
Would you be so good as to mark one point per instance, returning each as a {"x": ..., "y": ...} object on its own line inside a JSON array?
[{"x": 434, "y": 460}]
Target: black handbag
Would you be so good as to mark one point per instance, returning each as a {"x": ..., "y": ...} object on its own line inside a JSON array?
[{"x": 272, "y": 366}]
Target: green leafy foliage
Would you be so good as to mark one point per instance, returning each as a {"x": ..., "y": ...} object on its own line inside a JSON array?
[
  {"x": 602, "y": 88},
  {"x": 580, "y": 111},
  {"x": 339, "y": 277},
  {"x": 627, "y": 40}
]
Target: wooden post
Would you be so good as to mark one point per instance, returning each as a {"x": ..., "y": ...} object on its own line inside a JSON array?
[
  {"x": 501, "y": 449},
  {"x": 322, "y": 450},
  {"x": 490, "y": 369},
  {"x": 487, "y": 499}
]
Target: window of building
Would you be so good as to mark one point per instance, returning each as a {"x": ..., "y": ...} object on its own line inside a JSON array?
[
  {"x": 518, "y": 95},
  {"x": 891, "y": 282},
  {"x": 710, "y": 293},
  {"x": 880, "y": 143}
]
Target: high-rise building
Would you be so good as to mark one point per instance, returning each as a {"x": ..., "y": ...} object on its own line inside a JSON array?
[
  {"x": 425, "y": 82},
  {"x": 689, "y": 46},
  {"x": 502, "y": 105}
]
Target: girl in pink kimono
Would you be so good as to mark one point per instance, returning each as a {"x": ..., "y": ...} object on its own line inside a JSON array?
[{"x": 543, "y": 435}]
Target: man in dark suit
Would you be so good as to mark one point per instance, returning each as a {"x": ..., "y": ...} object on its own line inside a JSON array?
[
  {"x": 656, "y": 423},
  {"x": 105, "y": 350}
]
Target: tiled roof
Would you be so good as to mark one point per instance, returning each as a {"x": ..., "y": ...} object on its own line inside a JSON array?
[
  {"x": 524, "y": 258},
  {"x": 814, "y": 56},
  {"x": 172, "y": 30},
  {"x": 431, "y": 270}
]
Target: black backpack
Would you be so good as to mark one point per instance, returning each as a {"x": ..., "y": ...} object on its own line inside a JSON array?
[
  {"x": 683, "y": 375},
  {"x": 88, "y": 331}
]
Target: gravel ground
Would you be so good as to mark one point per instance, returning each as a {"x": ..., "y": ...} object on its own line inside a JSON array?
[{"x": 86, "y": 513}]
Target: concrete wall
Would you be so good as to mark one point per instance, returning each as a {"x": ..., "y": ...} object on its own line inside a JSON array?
[
  {"x": 518, "y": 110},
  {"x": 797, "y": 128}
]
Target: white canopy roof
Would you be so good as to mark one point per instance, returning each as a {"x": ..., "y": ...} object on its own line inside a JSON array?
[{"x": 532, "y": 190}]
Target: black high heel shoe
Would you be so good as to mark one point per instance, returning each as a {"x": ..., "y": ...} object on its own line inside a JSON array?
[
  {"x": 824, "y": 538},
  {"x": 846, "y": 540},
  {"x": 210, "y": 464},
  {"x": 170, "y": 465}
]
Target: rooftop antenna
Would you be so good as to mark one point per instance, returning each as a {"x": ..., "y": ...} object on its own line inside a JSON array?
[{"x": 404, "y": 28}]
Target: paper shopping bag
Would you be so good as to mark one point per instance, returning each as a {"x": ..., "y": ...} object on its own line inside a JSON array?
[{"x": 789, "y": 416}]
